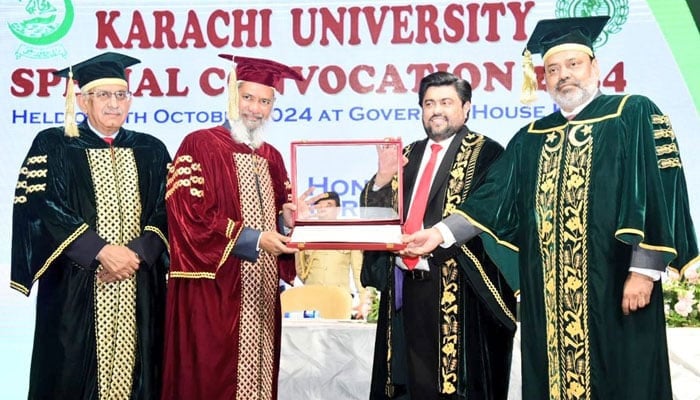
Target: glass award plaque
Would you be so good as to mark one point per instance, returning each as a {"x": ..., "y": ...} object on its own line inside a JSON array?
[{"x": 328, "y": 178}]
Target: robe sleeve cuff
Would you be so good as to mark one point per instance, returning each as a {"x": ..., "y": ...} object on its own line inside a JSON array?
[
  {"x": 460, "y": 230},
  {"x": 647, "y": 259},
  {"x": 84, "y": 249},
  {"x": 148, "y": 246},
  {"x": 246, "y": 246}
]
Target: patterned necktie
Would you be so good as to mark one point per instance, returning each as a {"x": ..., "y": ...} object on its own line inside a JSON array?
[
  {"x": 414, "y": 222},
  {"x": 109, "y": 140}
]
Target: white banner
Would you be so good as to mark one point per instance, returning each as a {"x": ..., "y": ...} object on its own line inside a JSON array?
[{"x": 362, "y": 62}]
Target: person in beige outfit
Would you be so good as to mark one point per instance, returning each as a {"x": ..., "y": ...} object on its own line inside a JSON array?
[{"x": 331, "y": 267}]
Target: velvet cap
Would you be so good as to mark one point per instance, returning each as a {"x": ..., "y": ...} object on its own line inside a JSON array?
[
  {"x": 262, "y": 71},
  {"x": 553, "y": 35},
  {"x": 104, "y": 69}
]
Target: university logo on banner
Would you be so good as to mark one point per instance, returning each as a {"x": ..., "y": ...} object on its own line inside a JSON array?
[{"x": 42, "y": 24}]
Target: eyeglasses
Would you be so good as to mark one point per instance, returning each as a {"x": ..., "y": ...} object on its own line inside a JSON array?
[{"x": 106, "y": 95}]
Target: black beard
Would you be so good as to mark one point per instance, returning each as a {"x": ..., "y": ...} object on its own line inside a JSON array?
[{"x": 440, "y": 136}]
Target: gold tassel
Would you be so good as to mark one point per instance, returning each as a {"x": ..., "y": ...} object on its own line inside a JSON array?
[
  {"x": 528, "y": 94},
  {"x": 233, "y": 95},
  {"x": 71, "y": 129}
]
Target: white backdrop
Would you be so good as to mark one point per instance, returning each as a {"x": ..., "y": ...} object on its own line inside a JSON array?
[{"x": 362, "y": 61}]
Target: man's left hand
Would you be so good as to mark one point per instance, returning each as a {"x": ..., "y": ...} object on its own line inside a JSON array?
[{"x": 636, "y": 292}]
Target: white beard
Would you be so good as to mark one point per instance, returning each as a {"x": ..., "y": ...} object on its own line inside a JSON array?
[{"x": 241, "y": 134}]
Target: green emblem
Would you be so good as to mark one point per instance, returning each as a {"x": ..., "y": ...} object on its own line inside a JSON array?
[
  {"x": 618, "y": 10},
  {"x": 43, "y": 24}
]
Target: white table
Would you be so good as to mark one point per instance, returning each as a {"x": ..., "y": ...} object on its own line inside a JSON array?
[
  {"x": 333, "y": 360},
  {"x": 326, "y": 360}
]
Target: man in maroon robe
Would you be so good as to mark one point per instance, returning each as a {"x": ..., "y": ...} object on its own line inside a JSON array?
[{"x": 225, "y": 194}]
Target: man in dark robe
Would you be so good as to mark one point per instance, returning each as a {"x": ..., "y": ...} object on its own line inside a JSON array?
[
  {"x": 226, "y": 191},
  {"x": 446, "y": 325},
  {"x": 593, "y": 199},
  {"x": 89, "y": 224}
]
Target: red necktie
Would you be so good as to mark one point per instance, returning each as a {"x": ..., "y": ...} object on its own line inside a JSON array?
[
  {"x": 109, "y": 140},
  {"x": 414, "y": 222}
]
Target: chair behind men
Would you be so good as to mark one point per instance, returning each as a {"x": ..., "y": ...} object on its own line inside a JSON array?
[{"x": 331, "y": 302}]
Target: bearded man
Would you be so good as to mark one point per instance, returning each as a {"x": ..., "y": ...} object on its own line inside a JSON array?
[
  {"x": 446, "y": 323},
  {"x": 226, "y": 189},
  {"x": 593, "y": 199}
]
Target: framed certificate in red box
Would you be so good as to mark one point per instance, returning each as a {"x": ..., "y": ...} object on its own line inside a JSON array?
[{"x": 338, "y": 170}]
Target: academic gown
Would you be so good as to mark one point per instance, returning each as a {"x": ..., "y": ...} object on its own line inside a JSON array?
[
  {"x": 73, "y": 196},
  {"x": 223, "y": 323},
  {"x": 453, "y": 336},
  {"x": 571, "y": 197}
]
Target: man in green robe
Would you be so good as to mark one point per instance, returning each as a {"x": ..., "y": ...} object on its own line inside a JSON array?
[
  {"x": 593, "y": 200},
  {"x": 89, "y": 224}
]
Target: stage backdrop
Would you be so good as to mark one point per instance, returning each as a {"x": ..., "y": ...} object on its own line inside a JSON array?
[{"x": 362, "y": 62}]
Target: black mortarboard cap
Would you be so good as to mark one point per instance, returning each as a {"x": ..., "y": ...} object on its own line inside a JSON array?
[{"x": 104, "y": 69}]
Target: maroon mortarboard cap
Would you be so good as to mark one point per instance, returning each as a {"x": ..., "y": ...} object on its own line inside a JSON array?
[{"x": 260, "y": 70}]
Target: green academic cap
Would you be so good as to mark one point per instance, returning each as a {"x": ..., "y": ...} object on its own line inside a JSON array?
[
  {"x": 105, "y": 69},
  {"x": 554, "y": 35},
  {"x": 258, "y": 70}
]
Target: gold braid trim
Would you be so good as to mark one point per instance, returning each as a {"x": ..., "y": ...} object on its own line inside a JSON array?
[
  {"x": 181, "y": 173},
  {"x": 489, "y": 284},
  {"x": 160, "y": 234},
  {"x": 657, "y": 119},
  {"x": 19, "y": 287},
  {"x": 461, "y": 175},
  {"x": 227, "y": 251},
  {"x": 192, "y": 275},
  {"x": 230, "y": 245},
  {"x": 637, "y": 232},
  {"x": 664, "y": 133},
  {"x": 688, "y": 265},
  {"x": 229, "y": 228},
  {"x": 670, "y": 148},
  {"x": 81, "y": 229},
  {"x": 388, "y": 385},
  {"x": 670, "y": 163}
]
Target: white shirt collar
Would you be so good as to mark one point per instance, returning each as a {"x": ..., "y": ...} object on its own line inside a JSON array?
[{"x": 100, "y": 134}]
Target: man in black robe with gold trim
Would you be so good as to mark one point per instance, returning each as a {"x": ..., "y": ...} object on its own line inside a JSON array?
[
  {"x": 89, "y": 225},
  {"x": 593, "y": 200},
  {"x": 445, "y": 328}
]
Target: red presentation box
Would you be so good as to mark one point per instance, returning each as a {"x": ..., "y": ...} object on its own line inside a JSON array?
[{"x": 344, "y": 167}]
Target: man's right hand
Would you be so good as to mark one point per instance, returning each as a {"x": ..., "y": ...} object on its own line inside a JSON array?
[
  {"x": 120, "y": 262},
  {"x": 421, "y": 243},
  {"x": 275, "y": 243}
]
